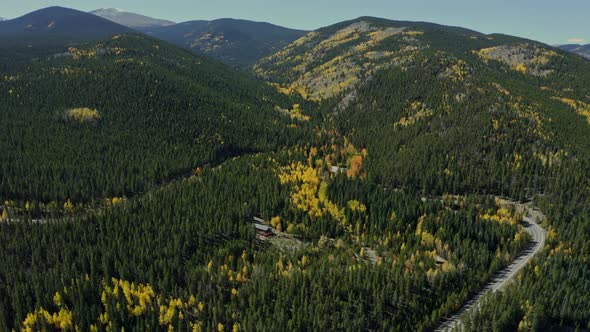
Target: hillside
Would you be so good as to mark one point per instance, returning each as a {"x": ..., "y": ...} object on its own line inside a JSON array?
[
  {"x": 331, "y": 60},
  {"x": 395, "y": 87},
  {"x": 131, "y": 20},
  {"x": 238, "y": 43},
  {"x": 445, "y": 109},
  {"x": 373, "y": 183},
  {"x": 132, "y": 111},
  {"x": 59, "y": 23},
  {"x": 583, "y": 50},
  {"x": 51, "y": 30}
]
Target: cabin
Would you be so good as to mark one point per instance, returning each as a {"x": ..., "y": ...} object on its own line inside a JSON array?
[
  {"x": 263, "y": 230},
  {"x": 338, "y": 170}
]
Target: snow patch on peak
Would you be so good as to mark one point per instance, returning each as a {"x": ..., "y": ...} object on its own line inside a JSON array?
[{"x": 112, "y": 11}]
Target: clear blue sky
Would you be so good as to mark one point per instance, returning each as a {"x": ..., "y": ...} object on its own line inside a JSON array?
[{"x": 550, "y": 21}]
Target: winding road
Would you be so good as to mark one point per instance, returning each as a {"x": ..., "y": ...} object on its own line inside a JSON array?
[
  {"x": 530, "y": 222},
  {"x": 509, "y": 273}
]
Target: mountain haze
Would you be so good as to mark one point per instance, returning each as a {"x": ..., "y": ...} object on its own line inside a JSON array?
[
  {"x": 58, "y": 23},
  {"x": 142, "y": 88},
  {"x": 131, "y": 20},
  {"x": 583, "y": 50},
  {"x": 238, "y": 43}
]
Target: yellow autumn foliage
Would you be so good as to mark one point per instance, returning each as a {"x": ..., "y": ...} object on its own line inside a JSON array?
[
  {"x": 521, "y": 67},
  {"x": 297, "y": 114},
  {"x": 137, "y": 296},
  {"x": 68, "y": 205},
  {"x": 459, "y": 70},
  {"x": 83, "y": 115},
  {"x": 356, "y": 164},
  {"x": 331, "y": 76},
  {"x": 502, "y": 215},
  {"x": 124, "y": 298},
  {"x": 64, "y": 320},
  {"x": 524, "y": 58},
  {"x": 57, "y": 299},
  {"x": 580, "y": 107},
  {"x": 356, "y": 206},
  {"x": 309, "y": 192},
  {"x": 427, "y": 239},
  {"x": 415, "y": 112}
]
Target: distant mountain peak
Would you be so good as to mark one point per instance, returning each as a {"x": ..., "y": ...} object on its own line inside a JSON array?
[
  {"x": 112, "y": 11},
  {"x": 116, "y": 10},
  {"x": 62, "y": 24},
  {"x": 129, "y": 19},
  {"x": 236, "y": 42},
  {"x": 582, "y": 50}
]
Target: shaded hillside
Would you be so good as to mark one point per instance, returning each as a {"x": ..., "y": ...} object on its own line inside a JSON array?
[
  {"x": 583, "y": 50},
  {"x": 59, "y": 23},
  {"x": 49, "y": 30},
  {"x": 238, "y": 43},
  {"x": 131, "y": 20},
  {"x": 114, "y": 117}
]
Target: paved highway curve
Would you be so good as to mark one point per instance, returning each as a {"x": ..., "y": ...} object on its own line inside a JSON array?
[{"x": 509, "y": 273}]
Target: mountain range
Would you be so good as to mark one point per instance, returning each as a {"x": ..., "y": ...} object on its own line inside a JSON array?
[
  {"x": 583, "y": 50},
  {"x": 58, "y": 23},
  {"x": 226, "y": 39},
  {"x": 239, "y": 43},
  {"x": 236, "y": 42},
  {"x": 131, "y": 20},
  {"x": 387, "y": 167}
]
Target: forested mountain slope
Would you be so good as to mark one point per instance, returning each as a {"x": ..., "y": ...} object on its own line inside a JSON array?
[
  {"x": 449, "y": 110},
  {"x": 372, "y": 180},
  {"x": 112, "y": 118},
  {"x": 59, "y": 22},
  {"x": 583, "y": 50},
  {"x": 395, "y": 86},
  {"x": 239, "y": 43},
  {"x": 50, "y": 30}
]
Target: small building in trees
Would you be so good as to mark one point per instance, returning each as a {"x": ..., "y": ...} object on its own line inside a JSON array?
[
  {"x": 338, "y": 170},
  {"x": 263, "y": 230}
]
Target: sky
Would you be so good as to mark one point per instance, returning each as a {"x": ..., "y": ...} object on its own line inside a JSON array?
[{"x": 549, "y": 21}]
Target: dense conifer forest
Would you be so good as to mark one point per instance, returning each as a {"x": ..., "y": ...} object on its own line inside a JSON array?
[
  {"x": 146, "y": 188},
  {"x": 159, "y": 111}
]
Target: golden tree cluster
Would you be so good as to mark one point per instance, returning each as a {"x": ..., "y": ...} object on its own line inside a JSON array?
[{"x": 83, "y": 115}]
